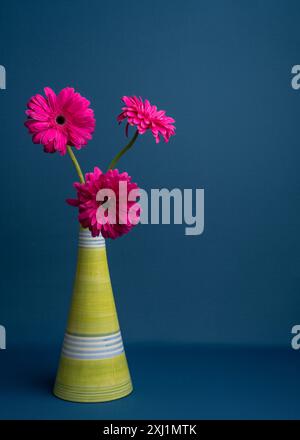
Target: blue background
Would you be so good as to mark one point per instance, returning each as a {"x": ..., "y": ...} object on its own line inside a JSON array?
[{"x": 222, "y": 69}]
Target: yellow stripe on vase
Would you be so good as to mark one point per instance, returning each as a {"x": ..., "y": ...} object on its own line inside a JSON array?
[
  {"x": 93, "y": 308},
  {"x": 93, "y": 381}
]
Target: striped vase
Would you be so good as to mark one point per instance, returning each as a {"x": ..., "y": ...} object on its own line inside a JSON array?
[{"x": 93, "y": 365}]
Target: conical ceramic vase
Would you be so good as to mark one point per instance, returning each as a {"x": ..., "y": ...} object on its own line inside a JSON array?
[{"x": 93, "y": 365}]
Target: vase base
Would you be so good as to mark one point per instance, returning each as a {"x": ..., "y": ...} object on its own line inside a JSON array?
[{"x": 74, "y": 395}]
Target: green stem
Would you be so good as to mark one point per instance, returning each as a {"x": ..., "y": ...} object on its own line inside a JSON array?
[
  {"x": 123, "y": 151},
  {"x": 76, "y": 164}
]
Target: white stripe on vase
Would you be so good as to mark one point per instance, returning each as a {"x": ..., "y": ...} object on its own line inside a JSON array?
[
  {"x": 94, "y": 347},
  {"x": 86, "y": 240},
  {"x": 92, "y": 341}
]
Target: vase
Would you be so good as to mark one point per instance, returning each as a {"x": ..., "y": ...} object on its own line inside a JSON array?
[{"x": 93, "y": 365}]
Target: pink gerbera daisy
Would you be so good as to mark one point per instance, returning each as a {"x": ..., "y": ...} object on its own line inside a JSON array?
[
  {"x": 122, "y": 216},
  {"x": 56, "y": 121},
  {"x": 145, "y": 117}
]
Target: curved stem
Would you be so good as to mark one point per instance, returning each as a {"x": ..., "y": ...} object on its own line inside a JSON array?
[
  {"x": 123, "y": 151},
  {"x": 76, "y": 164}
]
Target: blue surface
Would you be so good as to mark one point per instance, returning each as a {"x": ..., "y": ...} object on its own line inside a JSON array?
[{"x": 174, "y": 382}]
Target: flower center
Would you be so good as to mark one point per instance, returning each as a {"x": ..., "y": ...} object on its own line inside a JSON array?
[{"x": 60, "y": 120}]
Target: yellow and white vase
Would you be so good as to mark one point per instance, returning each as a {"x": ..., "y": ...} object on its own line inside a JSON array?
[{"x": 93, "y": 365}]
